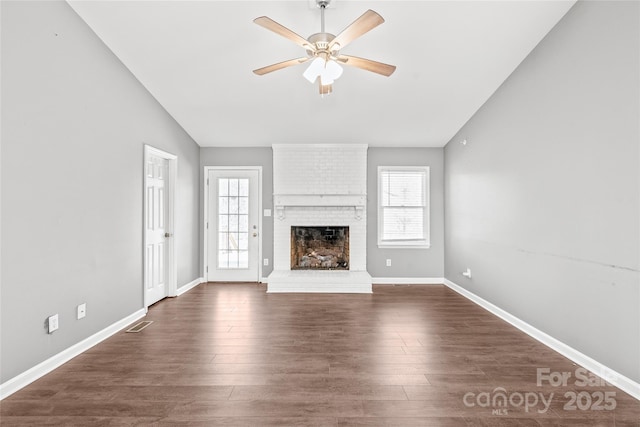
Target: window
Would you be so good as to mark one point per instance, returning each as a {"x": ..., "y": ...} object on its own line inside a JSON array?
[{"x": 403, "y": 206}]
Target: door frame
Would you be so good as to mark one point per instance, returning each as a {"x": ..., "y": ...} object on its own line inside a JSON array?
[
  {"x": 170, "y": 263},
  {"x": 207, "y": 169}
]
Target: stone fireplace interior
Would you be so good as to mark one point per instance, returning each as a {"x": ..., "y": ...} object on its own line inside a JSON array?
[{"x": 320, "y": 248}]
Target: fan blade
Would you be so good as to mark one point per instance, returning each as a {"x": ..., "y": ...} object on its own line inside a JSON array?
[
  {"x": 365, "y": 23},
  {"x": 272, "y": 25},
  {"x": 279, "y": 66},
  {"x": 367, "y": 64}
]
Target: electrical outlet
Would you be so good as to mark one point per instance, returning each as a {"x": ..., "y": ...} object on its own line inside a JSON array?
[
  {"x": 52, "y": 323},
  {"x": 265, "y": 261},
  {"x": 82, "y": 311},
  {"x": 388, "y": 262}
]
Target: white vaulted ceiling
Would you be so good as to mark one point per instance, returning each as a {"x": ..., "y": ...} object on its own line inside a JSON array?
[{"x": 196, "y": 58}]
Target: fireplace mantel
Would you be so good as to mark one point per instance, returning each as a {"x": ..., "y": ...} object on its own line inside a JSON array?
[{"x": 283, "y": 201}]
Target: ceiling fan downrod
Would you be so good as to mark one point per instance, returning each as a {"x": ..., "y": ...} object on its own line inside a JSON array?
[{"x": 322, "y": 4}]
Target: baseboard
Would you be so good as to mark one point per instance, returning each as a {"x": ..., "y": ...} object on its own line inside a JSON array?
[
  {"x": 408, "y": 280},
  {"x": 186, "y": 288},
  {"x": 27, "y": 377},
  {"x": 264, "y": 280},
  {"x": 612, "y": 377}
]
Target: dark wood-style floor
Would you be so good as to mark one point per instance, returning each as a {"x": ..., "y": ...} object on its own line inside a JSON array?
[{"x": 230, "y": 354}]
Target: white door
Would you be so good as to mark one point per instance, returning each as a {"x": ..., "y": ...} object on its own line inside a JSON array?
[
  {"x": 156, "y": 226},
  {"x": 233, "y": 227}
]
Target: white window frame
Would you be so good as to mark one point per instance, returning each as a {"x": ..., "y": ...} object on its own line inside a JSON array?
[{"x": 413, "y": 244}]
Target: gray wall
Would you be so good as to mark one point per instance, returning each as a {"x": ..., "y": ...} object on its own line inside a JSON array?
[
  {"x": 259, "y": 156},
  {"x": 410, "y": 263},
  {"x": 74, "y": 122},
  {"x": 543, "y": 202}
]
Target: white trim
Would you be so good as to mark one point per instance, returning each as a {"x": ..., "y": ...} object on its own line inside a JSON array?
[
  {"x": 172, "y": 268},
  {"x": 264, "y": 280},
  {"x": 205, "y": 186},
  {"x": 408, "y": 280},
  {"x": 405, "y": 245},
  {"x": 612, "y": 377},
  {"x": 205, "y": 221},
  {"x": 186, "y": 288},
  {"x": 27, "y": 377}
]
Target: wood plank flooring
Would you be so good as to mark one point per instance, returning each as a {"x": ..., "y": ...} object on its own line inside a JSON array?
[{"x": 232, "y": 355}]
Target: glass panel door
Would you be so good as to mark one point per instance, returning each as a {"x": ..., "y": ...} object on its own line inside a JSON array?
[{"x": 232, "y": 225}]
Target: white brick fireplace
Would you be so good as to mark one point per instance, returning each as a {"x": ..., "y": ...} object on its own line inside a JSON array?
[{"x": 320, "y": 185}]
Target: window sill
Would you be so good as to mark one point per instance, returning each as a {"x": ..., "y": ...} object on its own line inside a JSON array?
[{"x": 401, "y": 245}]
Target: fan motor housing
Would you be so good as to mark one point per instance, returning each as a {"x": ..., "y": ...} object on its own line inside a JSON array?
[{"x": 321, "y": 42}]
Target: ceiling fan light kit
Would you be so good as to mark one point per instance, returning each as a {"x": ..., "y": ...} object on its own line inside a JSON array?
[{"x": 323, "y": 49}]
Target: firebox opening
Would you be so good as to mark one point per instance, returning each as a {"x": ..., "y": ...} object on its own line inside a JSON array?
[{"x": 319, "y": 248}]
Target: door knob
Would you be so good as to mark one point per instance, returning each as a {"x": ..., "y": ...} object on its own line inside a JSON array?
[
  {"x": 168, "y": 234},
  {"x": 255, "y": 234}
]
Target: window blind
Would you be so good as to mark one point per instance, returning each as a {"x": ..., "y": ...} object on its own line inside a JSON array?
[{"x": 403, "y": 205}]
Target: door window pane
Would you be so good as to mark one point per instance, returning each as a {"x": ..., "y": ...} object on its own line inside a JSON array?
[
  {"x": 243, "y": 207},
  {"x": 233, "y": 204},
  {"x": 223, "y": 187},
  {"x": 223, "y": 241},
  {"x": 233, "y": 187},
  {"x": 243, "y": 187},
  {"x": 223, "y": 223},
  {"x": 243, "y": 223},
  {"x": 223, "y": 205},
  {"x": 233, "y": 223}
]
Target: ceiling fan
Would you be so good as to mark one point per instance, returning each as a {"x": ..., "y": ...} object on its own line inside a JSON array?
[{"x": 323, "y": 49}]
